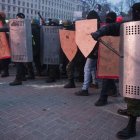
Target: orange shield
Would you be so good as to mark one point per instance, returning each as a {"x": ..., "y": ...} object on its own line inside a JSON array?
[
  {"x": 68, "y": 45},
  {"x": 4, "y": 46},
  {"x": 108, "y": 61},
  {"x": 83, "y": 38}
]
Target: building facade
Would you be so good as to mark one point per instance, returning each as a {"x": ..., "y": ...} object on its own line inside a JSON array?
[{"x": 60, "y": 9}]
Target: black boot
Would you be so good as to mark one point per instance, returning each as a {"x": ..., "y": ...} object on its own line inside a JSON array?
[
  {"x": 102, "y": 101},
  {"x": 123, "y": 112},
  {"x": 113, "y": 93},
  {"x": 82, "y": 93},
  {"x": 5, "y": 74},
  {"x": 70, "y": 84},
  {"x": 24, "y": 78},
  {"x": 15, "y": 82},
  {"x": 50, "y": 80},
  {"x": 129, "y": 131},
  {"x": 31, "y": 74},
  {"x": 31, "y": 77}
]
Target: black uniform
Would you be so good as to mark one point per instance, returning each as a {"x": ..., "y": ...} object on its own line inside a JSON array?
[
  {"x": 4, "y": 63},
  {"x": 53, "y": 70},
  {"x": 78, "y": 62},
  {"x": 36, "y": 52}
]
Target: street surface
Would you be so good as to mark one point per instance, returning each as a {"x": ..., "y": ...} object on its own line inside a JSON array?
[{"x": 40, "y": 111}]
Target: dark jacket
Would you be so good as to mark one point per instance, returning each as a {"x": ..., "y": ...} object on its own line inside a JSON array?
[
  {"x": 36, "y": 39},
  {"x": 109, "y": 30},
  {"x": 70, "y": 27},
  {"x": 4, "y": 29}
]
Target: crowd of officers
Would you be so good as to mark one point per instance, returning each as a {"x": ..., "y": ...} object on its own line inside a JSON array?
[{"x": 80, "y": 67}]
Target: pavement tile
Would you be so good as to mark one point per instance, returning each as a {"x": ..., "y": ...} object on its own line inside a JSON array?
[{"x": 40, "y": 111}]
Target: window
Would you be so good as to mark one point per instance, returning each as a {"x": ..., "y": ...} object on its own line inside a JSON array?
[
  {"x": 18, "y": 2},
  {"x": 27, "y": 11},
  {"x": 9, "y": 8},
  {"x": 14, "y": 1},
  {"x": 27, "y": 4},
  {"x": 23, "y": 3},
  {"x": 14, "y": 8},
  {"x": 14, "y": 15},
  {"x": 3, "y": 7},
  {"x": 23, "y": 10},
  {"x": 18, "y": 10},
  {"x": 8, "y": 15}
]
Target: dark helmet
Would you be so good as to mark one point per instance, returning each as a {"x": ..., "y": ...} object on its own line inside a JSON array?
[
  {"x": 2, "y": 15},
  {"x": 67, "y": 23},
  {"x": 111, "y": 17},
  {"x": 20, "y": 15},
  {"x": 136, "y": 11},
  {"x": 53, "y": 22},
  {"x": 93, "y": 15}
]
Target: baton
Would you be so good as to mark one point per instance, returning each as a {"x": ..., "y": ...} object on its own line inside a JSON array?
[
  {"x": 109, "y": 47},
  {"x": 41, "y": 18}
]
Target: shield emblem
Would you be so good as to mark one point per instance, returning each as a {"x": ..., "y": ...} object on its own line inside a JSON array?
[
  {"x": 108, "y": 61},
  {"x": 68, "y": 45},
  {"x": 84, "y": 40},
  {"x": 21, "y": 40},
  {"x": 4, "y": 46}
]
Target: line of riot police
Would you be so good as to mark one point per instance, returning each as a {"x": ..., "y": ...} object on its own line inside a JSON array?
[{"x": 41, "y": 45}]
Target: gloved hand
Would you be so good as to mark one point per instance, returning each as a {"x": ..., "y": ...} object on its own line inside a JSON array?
[{"x": 95, "y": 35}]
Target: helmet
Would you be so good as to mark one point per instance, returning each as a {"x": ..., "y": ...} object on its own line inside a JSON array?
[
  {"x": 111, "y": 17},
  {"x": 54, "y": 22},
  {"x": 136, "y": 11},
  {"x": 93, "y": 15},
  {"x": 2, "y": 15},
  {"x": 67, "y": 23},
  {"x": 20, "y": 15}
]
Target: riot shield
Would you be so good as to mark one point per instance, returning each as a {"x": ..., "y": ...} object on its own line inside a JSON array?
[
  {"x": 84, "y": 40},
  {"x": 108, "y": 61},
  {"x": 4, "y": 45},
  {"x": 50, "y": 45},
  {"x": 21, "y": 40},
  {"x": 68, "y": 45},
  {"x": 131, "y": 62}
]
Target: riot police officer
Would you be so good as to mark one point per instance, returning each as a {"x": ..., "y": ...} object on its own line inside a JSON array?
[
  {"x": 20, "y": 67},
  {"x": 108, "y": 85},
  {"x": 133, "y": 105},
  {"x": 4, "y": 63},
  {"x": 78, "y": 61}
]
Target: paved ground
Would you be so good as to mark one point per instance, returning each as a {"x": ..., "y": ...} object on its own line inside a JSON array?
[{"x": 40, "y": 111}]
